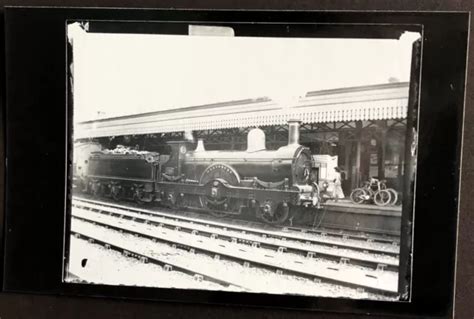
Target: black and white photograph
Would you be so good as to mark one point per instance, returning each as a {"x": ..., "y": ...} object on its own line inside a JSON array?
[{"x": 216, "y": 161}]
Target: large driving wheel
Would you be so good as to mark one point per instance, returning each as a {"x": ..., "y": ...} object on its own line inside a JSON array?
[
  {"x": 359, "y": 195},
  {"x": 382, "y": 197},
  {"x": 215, "y": 178}
]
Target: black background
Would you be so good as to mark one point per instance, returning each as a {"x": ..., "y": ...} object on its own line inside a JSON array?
[{"x": 35, "y": 143}]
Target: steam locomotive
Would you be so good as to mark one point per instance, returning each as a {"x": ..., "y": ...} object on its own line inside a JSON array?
[{"x": 269, "y": 184}]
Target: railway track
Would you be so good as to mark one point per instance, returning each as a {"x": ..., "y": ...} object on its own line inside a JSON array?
[
  {"x": 281, "y": 239},
  {"x": 123, "y": 248},
  {"x": 346, "y": 234},
  {"x": 354, "y": 235},
  {"x": 146, "y": 228}
]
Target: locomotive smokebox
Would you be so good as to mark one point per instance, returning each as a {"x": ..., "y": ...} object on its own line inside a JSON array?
[{"x": 294, "y": 132}]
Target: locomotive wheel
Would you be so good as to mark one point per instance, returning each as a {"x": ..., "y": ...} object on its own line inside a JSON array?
[
  {"x": 382, "y": 198},
  {"x": 359, "y": 195},
  {"x": 96, "y": 189},
  {"x": 214, "y": 178},
  {"x": 218, "y": 205},
  {"x": 274, "y": 214},
  {"x": 171, "y": 199},
  {"x": 181, "y": 201},
  {"x": 115, "y": 192},
  {"x": 138, "y": 194}
]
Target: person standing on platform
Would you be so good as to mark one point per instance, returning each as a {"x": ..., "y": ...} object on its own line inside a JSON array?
[{"x": 338, "y": 193}]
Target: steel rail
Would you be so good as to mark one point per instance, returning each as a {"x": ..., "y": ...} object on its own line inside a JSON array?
[
  {"x": 262, "y": 242},
  {"x": 326, "y": 231},
  {"x": 328, "y": 274},
  {"x": 146, "y": 258},
  {"x": 247, "y": 230}
]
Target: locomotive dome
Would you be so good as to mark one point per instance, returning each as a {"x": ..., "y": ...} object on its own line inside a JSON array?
[{"x": 255, "y": 140}]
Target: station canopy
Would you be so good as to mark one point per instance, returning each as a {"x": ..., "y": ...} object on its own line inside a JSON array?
[{"x": 374, "y": 102}]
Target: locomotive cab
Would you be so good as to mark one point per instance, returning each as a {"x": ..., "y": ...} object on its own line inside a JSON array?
[{"x": 173, "y": 167}]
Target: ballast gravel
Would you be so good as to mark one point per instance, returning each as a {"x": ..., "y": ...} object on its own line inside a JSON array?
[
  {"x": 385, "y": 279},
  {"x": 276, "y": 239},
  {"x": 252, "y": 278}
]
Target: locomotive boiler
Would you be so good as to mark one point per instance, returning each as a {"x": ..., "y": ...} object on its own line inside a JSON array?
[
  {"x": 292, "y": 162},
  {"x": 270, "y": 184}
]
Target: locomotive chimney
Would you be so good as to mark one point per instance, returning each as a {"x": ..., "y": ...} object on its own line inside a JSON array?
[
  {"x": 200, "y": 146},
  {"x": 293, "y": 132}
]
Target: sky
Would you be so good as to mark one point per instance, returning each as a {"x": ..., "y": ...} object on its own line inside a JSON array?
[{"x": 122, "y": 74}]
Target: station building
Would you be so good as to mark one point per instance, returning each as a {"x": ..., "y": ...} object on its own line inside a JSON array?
[{"x": 363, "y": 128}]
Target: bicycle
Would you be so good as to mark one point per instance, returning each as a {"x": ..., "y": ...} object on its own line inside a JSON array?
[{"x": 374, "y": 191}]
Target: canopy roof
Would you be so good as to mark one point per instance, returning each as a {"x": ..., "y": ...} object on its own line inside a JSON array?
[{"x": 375, "y": 102}]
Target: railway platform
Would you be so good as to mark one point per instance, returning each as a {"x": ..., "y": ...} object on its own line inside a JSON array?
[{"x": 344, "y": 214}]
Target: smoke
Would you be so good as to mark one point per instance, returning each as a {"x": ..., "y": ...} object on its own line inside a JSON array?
[{"x": 189, "y": 136}]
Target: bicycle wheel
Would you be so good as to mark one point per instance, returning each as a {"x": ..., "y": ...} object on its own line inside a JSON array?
[
  {"x": 394, "y": 196},
  {"x": 359, "y": 195},
  {"x": 382, "y": 198},
  {"x": 399, "y": 200}
]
